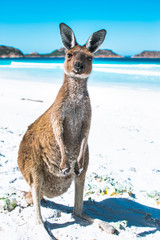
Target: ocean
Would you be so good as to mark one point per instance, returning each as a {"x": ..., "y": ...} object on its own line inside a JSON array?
[{"x": 125, "y": 72}]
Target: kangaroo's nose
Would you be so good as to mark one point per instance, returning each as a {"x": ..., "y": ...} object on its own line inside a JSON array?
[{"x": 78, "y": 65}]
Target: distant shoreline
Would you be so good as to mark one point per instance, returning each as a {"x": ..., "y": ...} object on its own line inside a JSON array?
[
  {"x": 95, "y": 58},
  {"x": 101, "y": 58},
  {"x": 11, "y": 52}
]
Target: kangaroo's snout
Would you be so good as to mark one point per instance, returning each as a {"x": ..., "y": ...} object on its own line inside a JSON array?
[{"x": 78, "y": 66}]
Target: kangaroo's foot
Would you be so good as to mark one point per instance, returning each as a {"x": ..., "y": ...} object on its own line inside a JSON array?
[
  {"x": 28, "y": 197},
  {"x": 105, "y": 226},
  {"x": 43, "y": 233}
]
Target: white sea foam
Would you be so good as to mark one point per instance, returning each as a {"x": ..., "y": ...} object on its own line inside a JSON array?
[
  {"x": 35, "y": 65},
  {"x": 126, "y": 65},
  {"x": 128, "y": 71}
]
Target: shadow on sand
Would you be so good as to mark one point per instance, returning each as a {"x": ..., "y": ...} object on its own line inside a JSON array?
[{"x": 113, "y": 210}]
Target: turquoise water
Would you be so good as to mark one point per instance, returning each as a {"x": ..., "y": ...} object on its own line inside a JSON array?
[{"x": 106, "y": 72}]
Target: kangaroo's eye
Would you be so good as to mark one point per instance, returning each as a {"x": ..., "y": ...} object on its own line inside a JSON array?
[
  {"x": 90, "y": 59},
  {"x": 69, "y": 55}
]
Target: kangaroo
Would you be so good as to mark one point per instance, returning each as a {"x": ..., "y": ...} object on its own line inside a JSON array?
[{"x": 54, "y": 150}]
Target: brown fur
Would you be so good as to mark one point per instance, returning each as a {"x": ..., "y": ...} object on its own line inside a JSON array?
[{"x": 54, "y": 150}]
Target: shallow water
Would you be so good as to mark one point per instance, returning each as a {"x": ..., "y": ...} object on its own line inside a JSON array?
[{"x": 126, "y": 72}]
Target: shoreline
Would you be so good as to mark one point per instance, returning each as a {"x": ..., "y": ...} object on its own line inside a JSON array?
[
  {"x": 120, "y": 59},
  {"x": 91, "y": 84}
]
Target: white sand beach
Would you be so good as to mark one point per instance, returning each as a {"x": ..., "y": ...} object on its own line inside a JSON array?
[{"x": 122, "y": 184}]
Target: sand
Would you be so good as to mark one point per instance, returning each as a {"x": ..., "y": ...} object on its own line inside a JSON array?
[{"x": 122, "y": 184}]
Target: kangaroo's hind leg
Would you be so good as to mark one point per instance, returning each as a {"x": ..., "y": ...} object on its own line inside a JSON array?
[
  {"x": 36, "y": 195},
  {"x": 42, "y": 230},
  {"x": 78, "y": 202},
  {"x": 79, "y": 187}
]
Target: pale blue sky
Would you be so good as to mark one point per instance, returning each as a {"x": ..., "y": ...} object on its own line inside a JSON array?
[{"x": 132, "y": 26}]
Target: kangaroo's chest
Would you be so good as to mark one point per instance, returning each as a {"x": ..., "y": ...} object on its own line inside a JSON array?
[{"x": 74, "y": 116}]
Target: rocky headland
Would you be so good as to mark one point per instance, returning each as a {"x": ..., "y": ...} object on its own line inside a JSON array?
[
  {"x": 55, "y": 54},
  {"x": 11, "y": 52},
  {"x": 147, "y": 54},
  {"x": 60, "y": 53},
  {"x": 106, "y": 53}
]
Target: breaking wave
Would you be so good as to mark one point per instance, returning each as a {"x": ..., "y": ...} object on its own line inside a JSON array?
[
  {"x": 35, "y": 65},
  {"x": 128, "y": 69}
]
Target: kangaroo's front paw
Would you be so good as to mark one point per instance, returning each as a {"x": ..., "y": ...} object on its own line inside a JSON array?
[
  {"x": 65, "y": 171},
  {"x": 65, "y": 168},
  {"x": 78, "y": 169}
]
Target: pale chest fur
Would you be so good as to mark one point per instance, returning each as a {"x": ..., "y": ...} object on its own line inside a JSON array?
[
  {"x": 75, "y": 113},
  {"x": 75, "y": 108}
]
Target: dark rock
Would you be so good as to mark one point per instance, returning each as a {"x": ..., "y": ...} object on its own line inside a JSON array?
[
  {"x": 147, "y": 54},
  {"x": 13, "y": 180},
  {"x": 33, "y": 55},
  {"x": 58, "y": 53},
  {"x": 132, "y": 169},
  {"x": 10, "y": 52},
  {"x": 1, "y": 155},
  {"x": 106, "y": 53}
]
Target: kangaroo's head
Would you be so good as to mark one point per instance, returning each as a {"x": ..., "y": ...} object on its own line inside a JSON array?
[{"x": 78, "y": 60}]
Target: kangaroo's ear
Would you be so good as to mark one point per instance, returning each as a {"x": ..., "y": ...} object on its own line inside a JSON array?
[
  {"x": 67, "y": 36},
  {"x": 95, "y": 40}
]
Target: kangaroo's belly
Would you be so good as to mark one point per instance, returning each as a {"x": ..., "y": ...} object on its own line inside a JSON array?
[{"x": 56, "y": 185}]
